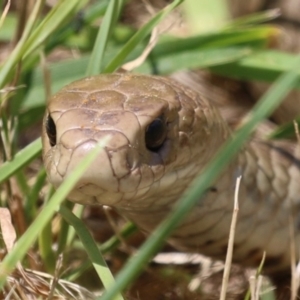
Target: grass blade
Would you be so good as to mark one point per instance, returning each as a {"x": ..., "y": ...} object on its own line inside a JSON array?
[
  {"x": 109, "y": 20},
  {"x": 58, "y": 15},
  {"x": 285, "y": 131},
  {"x": 94, "y": 254},
  {"x": 139, "y": 36},
  {"x": 17, "y": 53},
  {"x": 20, "y": 160},
  {"x": 27, "y": 239},
  {"x": 229, "y": 38},
  {"x": 194, "y": 59},
  {"x": 264, "y": 65},
  {"x": 259, "y": 17}
]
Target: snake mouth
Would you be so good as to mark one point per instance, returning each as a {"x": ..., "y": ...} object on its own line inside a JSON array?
[{"x": 86, "y": 193}]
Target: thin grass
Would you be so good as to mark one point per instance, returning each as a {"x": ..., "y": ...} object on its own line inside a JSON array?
[
  {"x": 4, "y": 13},
  {"x": 295, "y": 279},
  {"x": 230, "y": 246},
  {"x": 31, "y": 234},
  {"x": 18, "y": 52},
  {"x": 95, "y": 256},
  {"x": 60, "y": 13},
  {"x": 109, "y": 246},
  {"x": 138, "y": 37},
  {"x": 24, "y": 157},
  {"x": 96, "y": 60},
  {"x": 255, "y": 287}
]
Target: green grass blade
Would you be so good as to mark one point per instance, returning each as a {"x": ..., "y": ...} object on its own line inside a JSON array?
[
  {"x": 77, "y": 24},
  {"x": 285, "y": 131},
  {"x": 17, "y": 53},
  {"x": 93, "y": 11},
  {"x": 32, "y": 39},
  {"x": 253, "y": 19},
  {"x": 109, "y": 20},
  {"x": 22, "y": 183},
  {"x": 196, "y": 59},
  {"x": 260, "y": 66},
  {"x": 33, "y": 196},
  {"x": 94, "y": 254},
  {"x": 263, "y": 108},
  {"x": 27, "y": 239},
  {"x": 139, "y": 36},
  {"x": 20, "y": 160},
  {"x": 58, "y": 15},
  {"x": 108, "y": 246},
  {"x": 64, "y": 230},
  {"x": 229, "y": 38},
  {"x": 46, "y": 251},
  {"x": 78, "y": 212}
]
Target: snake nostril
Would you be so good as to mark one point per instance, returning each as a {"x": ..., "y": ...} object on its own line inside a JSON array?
[
  {"x": 51, "y": 130},
  {"x": 156, "y": 133}
]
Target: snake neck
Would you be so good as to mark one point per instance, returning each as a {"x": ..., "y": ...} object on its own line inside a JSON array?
[
  {"x": 143, "y": 174},
  {"x": 268, "y": 200}
]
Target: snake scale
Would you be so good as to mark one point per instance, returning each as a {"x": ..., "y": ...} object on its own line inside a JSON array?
[{"x": 158, "y": 136}]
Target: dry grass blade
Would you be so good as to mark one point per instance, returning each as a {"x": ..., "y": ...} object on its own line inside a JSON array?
[
  {"x": 295, "y": 280},
  {"x": 255, "y": 286},
  {"x": 141, "y": 59},
  {"x": 7, "y": 228},
  {"x": 55, "y": 280},
  {"x": 230, "y": 241},
  {"x": 155, "y": 34},
  {"x": 5, "y": 11},
  {"x": 30, "y": 284}
]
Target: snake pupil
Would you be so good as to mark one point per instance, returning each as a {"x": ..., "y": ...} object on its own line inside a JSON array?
[
  {"x": 51, "y": 131},
  {"x": 156, "y": 134}
]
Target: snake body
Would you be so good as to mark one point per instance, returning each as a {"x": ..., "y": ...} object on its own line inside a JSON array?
[{"x": 159, "y": 135}]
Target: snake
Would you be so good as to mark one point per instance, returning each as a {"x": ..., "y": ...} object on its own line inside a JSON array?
[{"x": 158, "y": 136}]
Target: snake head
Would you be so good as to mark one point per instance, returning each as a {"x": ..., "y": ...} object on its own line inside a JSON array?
[{"x": 156, "y": 131}]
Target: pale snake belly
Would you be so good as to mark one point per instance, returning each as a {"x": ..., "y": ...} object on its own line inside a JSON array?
[{"x": 158, "y": 136}]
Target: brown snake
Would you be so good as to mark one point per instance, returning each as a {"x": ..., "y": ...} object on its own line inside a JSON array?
[{"x": 160, "y": 136}]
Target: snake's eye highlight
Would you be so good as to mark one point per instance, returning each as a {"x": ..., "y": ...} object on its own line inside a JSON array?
[
  {"x": 51, "y": 130},
  {"x": 156, "y": 134}
]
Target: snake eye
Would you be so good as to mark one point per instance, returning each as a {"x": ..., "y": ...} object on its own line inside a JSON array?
[
  {"x": 156, "y": 134},
  {"x": 51, "y": 130}
]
